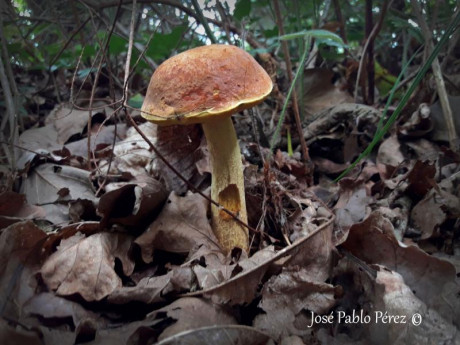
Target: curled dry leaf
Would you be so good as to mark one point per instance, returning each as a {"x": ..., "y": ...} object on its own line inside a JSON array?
[
  {"x": 85, "y": 265},
  {"x": 181, "y": 225},
  {"x": 132, "y": 203},
  {"x": 438, "y": 205}
]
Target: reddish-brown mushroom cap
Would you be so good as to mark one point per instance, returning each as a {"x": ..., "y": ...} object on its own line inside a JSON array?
[{"x": 204, "y": 82}]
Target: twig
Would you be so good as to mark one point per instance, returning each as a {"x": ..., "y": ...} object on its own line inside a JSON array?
[
  {"x": 174, "y": 3},
  {"x": 10, "y": 110},
  {"x": 203, "y": 21},
  {"x": 437, "y": 73},
  {"x": 338, "y": 14},
  {"x": 370, "y": 56},
  {"x": 372, "y": 36},
  {"x": 295, "y": 103}
]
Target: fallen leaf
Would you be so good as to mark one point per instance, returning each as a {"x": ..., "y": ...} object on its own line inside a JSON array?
[
  {"x": 190, "y": 313},
  {"x": 286, "y": 296},
  {"x": 132, "y": 203},
  {"x": 49, "y": 306},
  {"x": 319, "y": 92},
  {"x": 234, "y": 334},
  {"x": 85, "y": 265},
  {"x": 14, "y": 208},
  {"x": 181, "y": 225},
  {"x": 179, "y": 145},
  {"x": 431, "y": 279},
  {"x": 69, "y": 121},
  {"x": 103, "y": 137},
  {"x": 17, "y": 335},
  {"x": 45, "y": 184},
  {"x": 133, "y": 155},
  {"x": 389, "y": 156},
  {"x": 428, "y": 215},
  {"x": 20, "y": 257},
  {"x": 352, "y": 206}
]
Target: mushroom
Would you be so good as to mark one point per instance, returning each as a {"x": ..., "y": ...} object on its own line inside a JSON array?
[{"x": 207, "y": 85}]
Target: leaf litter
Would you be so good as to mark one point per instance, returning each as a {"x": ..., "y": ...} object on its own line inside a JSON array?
[{"x": 126, "y": 253}]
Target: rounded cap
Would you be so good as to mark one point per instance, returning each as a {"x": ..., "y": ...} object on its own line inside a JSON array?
[{"x": 205, "y": 83}]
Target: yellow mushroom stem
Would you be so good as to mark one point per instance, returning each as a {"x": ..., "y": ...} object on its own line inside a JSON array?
[{"x": 227, "y": 186}]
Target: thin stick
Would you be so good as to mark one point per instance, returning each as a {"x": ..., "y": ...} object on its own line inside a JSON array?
[
  {"x": 372, "y": 36},
  {"x": 440, "y": 85},
  {"x": 295, "y": 103}
]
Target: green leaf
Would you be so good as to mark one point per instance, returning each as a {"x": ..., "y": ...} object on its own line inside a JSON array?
[
  {"x": 117, "y": 45},
  {"x": 136, "y": 101},
  {"x": 242, "y": 9},
  {"x": 321, "y": 36},
  {"x": 162, "y": 45}
]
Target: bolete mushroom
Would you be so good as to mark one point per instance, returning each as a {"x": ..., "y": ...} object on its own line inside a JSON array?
[{"x": 207, "y": 85}]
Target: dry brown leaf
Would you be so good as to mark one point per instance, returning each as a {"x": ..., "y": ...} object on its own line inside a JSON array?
[
  {"x": 353, "y": 204},
  {"x": 102, "y": 136},
  {"x": 320, "y": 92},
  {"x": 286, "y": 296},
  {"x": 440, "y": 131},
  {"x": 17, "y": 335},
  {"x": 389, "y": 156},
  {"x": 148, "y": 290},
  {"x": 234, "y": 284},
  {"x": 181, "y": 225},
  {"x": 428, "y": 215},
  {"x": 48, "y": 184},
  {"x": 233, "y": 334},
  {"x": 14, "y": 208},
  {"x": 190, "y": 313},
  {"x": 49, "y": 306},
  {"x": 44, "y": 138},
  {"x": 179, "y": 145},
  {"x": 131, "y": 203},
  {"x": 392, "y": 309},
  {"x": 85, "y": 265},
  {"x": 68, "y": 121},
  {"x": 19, "y": 261},
  {"x": 431, "y": 279}
]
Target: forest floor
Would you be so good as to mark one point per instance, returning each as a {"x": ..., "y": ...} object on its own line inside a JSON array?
[{"x": 113, "y": 248}]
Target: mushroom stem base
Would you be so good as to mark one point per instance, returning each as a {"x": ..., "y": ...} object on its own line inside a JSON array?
[{"x": 227, "y": 187}]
